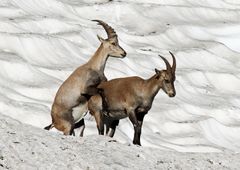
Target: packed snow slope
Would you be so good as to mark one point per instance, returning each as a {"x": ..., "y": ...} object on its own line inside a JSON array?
[
  {"x": 26, "y": 147},
  {"x": 43, "y": 41}
]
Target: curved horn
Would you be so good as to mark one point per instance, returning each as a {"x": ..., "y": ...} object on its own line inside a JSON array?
[
  {"x": 174, "y": 63},
  {"x": 110, "y": 31},
  {"x": 169, "y": 69}
]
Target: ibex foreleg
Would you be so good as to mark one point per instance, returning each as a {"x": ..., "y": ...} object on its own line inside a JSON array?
[{"x": 137, "y": 121}]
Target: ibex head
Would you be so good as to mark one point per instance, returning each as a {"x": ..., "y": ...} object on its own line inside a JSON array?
[
  {"x": 167, "y": 77},
  {"x": 111, "y": 43}
]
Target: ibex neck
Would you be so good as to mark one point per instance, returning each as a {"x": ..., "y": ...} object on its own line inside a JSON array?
[
  {"x": 98, "y": 60},
  {"x": 152, "y": 86}
]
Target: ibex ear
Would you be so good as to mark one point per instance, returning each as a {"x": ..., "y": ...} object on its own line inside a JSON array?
[
  {"x": 157, "y": 71},
  {"x": 100, "y": 38}
]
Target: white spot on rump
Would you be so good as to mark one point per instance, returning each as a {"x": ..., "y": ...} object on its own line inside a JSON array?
[{"x": 79, "y": 112}]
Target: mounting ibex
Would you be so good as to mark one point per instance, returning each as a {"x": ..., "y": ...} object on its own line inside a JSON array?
[
  {"x": 130, "y": 97},
  {"x": 70, "y": 102}
]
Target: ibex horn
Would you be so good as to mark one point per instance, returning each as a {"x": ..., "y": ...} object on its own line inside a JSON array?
[
  {"x": 174, "y": 63},
  {"x": 169, "y": 69},
  {"x": 110, "y": 31}
]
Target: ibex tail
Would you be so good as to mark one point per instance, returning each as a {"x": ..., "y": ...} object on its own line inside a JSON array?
[{"x": 49, "y": 127}]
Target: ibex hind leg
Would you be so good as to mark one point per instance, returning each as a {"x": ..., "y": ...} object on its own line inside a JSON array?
[
  {"x": 68, "y": 129},
  {"x": 95, "y": 108},
  {"x": 111, "y": 127},
  {"x": 99, "y": 121},
  {"x": 65, "y": 124},
  {"x": 81, "y": 126},
  {"x": 65, "y": 131}
]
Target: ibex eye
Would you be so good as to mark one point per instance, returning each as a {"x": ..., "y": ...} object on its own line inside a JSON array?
[{"x": 113, "y": 43}]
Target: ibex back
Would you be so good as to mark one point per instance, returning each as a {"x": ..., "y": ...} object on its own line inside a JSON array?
[
  {"x": 70, "y": 102},
  {"x": 130, "y": 97}
]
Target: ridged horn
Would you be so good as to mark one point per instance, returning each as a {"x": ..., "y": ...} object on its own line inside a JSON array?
[
  {"x": 169, "y": 69},
  {"x": 174, "y": 63},
  {"x": 110, "y": 31}
]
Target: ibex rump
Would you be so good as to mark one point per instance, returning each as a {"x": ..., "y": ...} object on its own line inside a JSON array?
[{"x": 130, "y": 97}]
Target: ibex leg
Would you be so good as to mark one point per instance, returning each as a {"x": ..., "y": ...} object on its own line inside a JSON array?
[
  {"x": 137, "y": 128},
  {"x": 112, "y": 127},
  {"x": 81, "y": 126}
]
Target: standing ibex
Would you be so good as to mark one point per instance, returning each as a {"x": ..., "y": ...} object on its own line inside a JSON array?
[
  {"x": 130, "y": 97},
  {"x": 70, "y": 102}
]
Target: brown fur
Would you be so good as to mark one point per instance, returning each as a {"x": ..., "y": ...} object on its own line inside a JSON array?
[
  {"x": 130, "y": 97},
  {"x": 70, "y": 102}
]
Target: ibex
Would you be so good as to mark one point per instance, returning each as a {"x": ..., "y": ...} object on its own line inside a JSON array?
[
  {"x": 130, "y": 97},
  {"x": 70, "y": 102}
]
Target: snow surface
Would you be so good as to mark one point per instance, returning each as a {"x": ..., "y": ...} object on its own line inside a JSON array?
[
  {"x": 43, "y": 41},
  {"x": 26, "y": 147}
]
